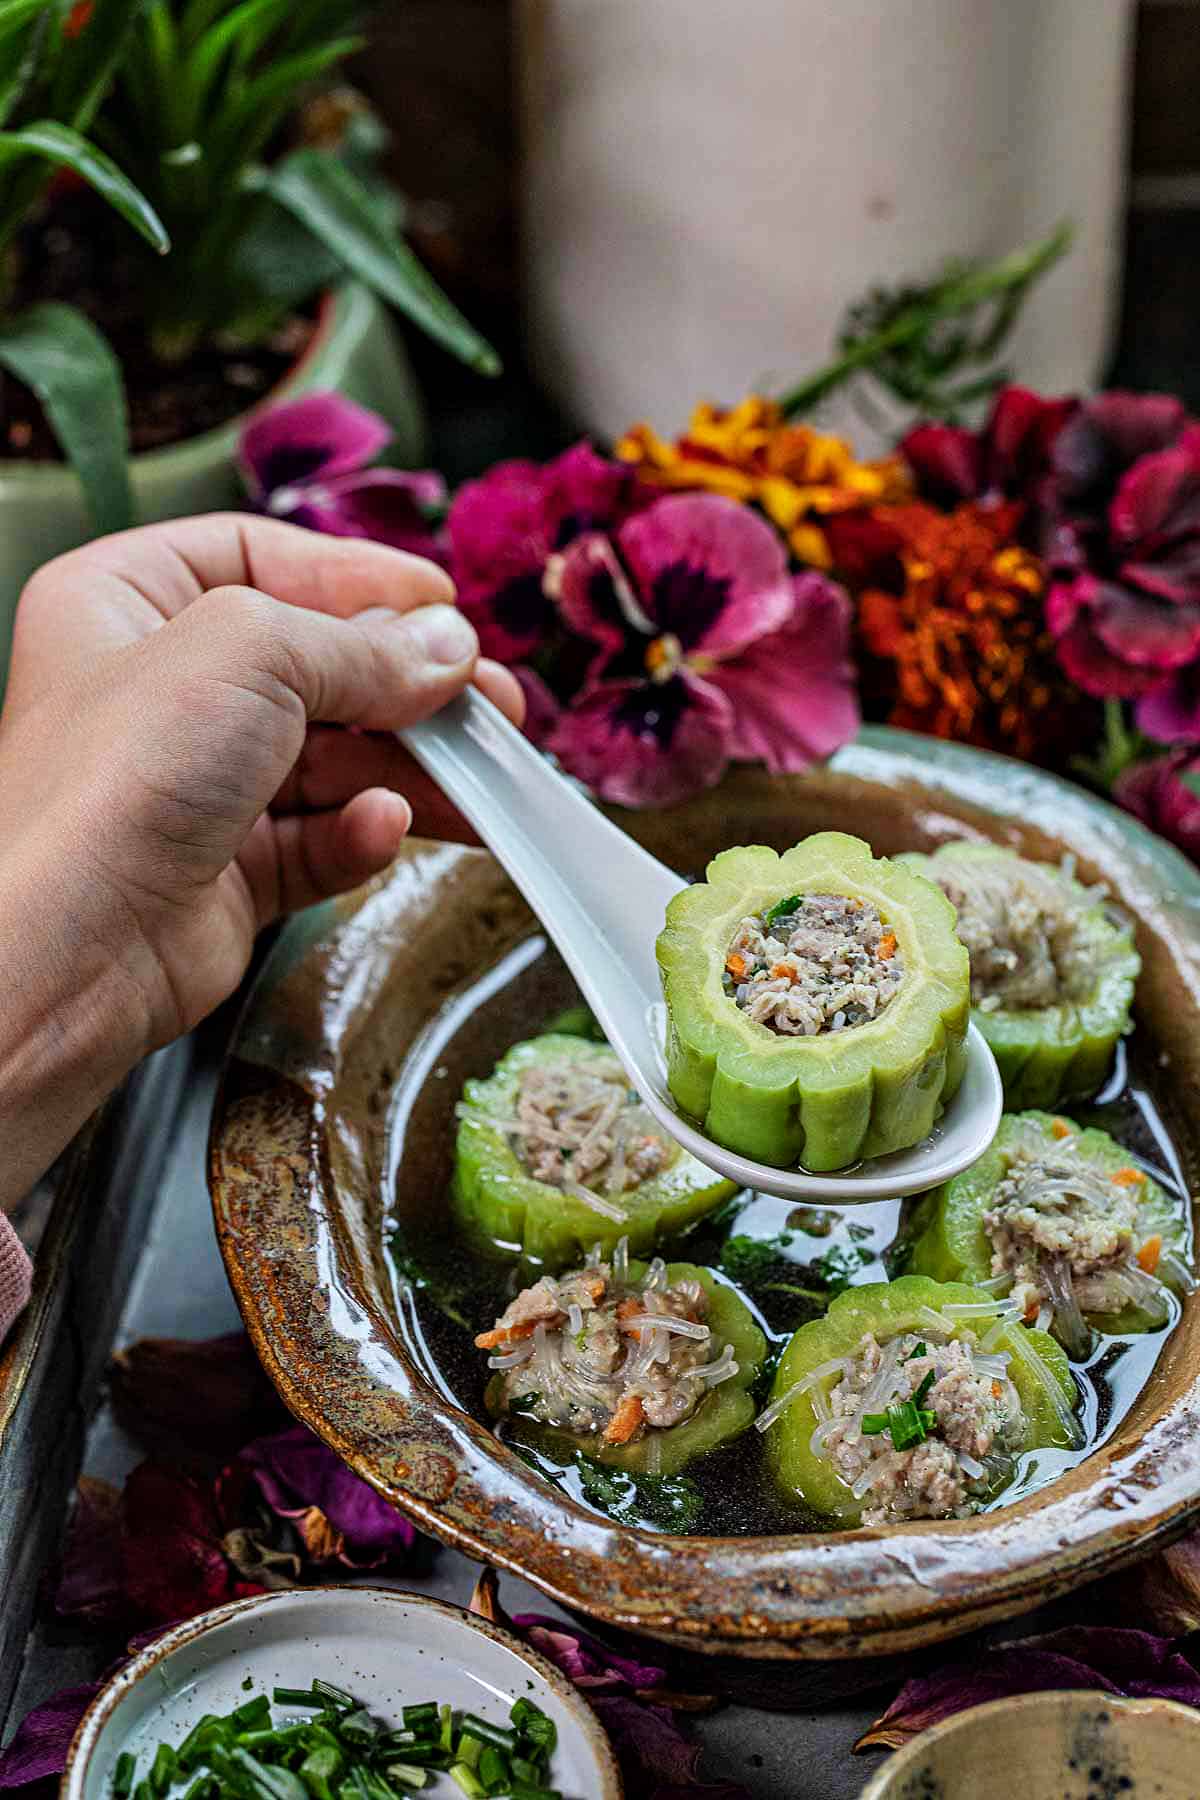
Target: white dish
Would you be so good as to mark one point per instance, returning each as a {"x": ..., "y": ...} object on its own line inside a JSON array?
[{"x": 386, "y": 1648}]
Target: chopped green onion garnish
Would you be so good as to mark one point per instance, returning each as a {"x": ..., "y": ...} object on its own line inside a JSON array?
[
  {"x": 466, "y": 1779},
  {"x": 338, "y": 1695},
  {"x": 501, "y": 1735},
  {"x": 781, "y": 908},
  {"x": 285, "y": 1696},
  {"x": 917, "y": 1350},
  {"x": 123, "y": 1774},
  {"x": 924, "y": 1388}
]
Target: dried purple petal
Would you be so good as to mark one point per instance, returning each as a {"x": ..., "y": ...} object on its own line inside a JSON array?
[
  {"x": 209, "y": 1395},
  {"x": 38, "y": 1752},
  {"x": 1115, "y": 1660},
  {"x": 297, "y": 1474}
]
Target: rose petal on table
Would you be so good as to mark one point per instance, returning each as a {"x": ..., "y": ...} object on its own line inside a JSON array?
[
  {"x": 210, "y": 1395},
  {"x": 1114, "y": 1659},
  {"x": 38, "y": 1751},
  {"x": 300, "y": 1477}
]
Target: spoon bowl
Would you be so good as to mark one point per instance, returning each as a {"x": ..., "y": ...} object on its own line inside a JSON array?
[{"x": 601, "y": 897}]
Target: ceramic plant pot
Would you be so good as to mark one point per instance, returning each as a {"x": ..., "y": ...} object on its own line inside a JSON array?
[
  {"x": 336, "y": 1119},
  {"x": 355, "y": 349}
]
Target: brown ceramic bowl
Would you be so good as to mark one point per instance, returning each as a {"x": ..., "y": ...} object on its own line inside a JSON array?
[{"x": 336, "y": 1115}]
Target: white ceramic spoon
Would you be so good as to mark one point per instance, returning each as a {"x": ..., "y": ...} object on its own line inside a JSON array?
[{"x": 602, "y": 899}]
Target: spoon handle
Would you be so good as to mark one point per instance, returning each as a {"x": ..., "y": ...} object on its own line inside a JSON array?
[{"x": 600, "y": 896}]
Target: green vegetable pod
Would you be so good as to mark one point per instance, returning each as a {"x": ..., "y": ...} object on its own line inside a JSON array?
[
  {"x": 1062, "y": 1051},
  {"x": 1038, "y": 1368},
  {"x": 724, "y": 1413},
  {"x": 952, "y": 1242},
  {"x": 503, "y": 1208},
  {"x": 828, "y": 1099}
]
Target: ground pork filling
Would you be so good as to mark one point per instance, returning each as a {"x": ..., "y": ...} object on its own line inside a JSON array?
[
  {"x": 1065, "y": 1233},
  {"x": 814, "y": 963},
  {"x": 580, "y": 1126},
  {"x": 1033, "y": 937},
  {"x": 598, "y": 1353},
  {"x": 971, "y": 1423}
]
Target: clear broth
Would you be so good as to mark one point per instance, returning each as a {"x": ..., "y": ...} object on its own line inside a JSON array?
[{"x": 446, "y": 1291}]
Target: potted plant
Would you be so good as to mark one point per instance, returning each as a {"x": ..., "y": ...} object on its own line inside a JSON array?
[{"x": 190, "y": 218}]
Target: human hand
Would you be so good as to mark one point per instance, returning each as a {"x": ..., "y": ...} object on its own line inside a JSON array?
[{"x": 175, "y": 768}]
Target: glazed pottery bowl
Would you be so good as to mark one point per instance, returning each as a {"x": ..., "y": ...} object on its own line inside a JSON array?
[
  {"x": 1069, "y": 1745},
  {"x": 336, "y": 1119},
  {"x": 384, "y": 1647}
]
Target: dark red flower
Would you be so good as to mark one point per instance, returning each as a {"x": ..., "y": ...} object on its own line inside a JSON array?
[
  {"x": 1124, "y": 545},
  {"x": 1157, "y": 793},
  {"x": 1009, "y": 459}
]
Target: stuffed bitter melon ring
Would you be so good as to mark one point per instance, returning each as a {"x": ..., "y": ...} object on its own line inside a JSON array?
[
  {"x": 556, "y": 1153},
  {"x": 913, "y": 1399},
  {"x": 789, "y": 1035},
  {"x": 1052, "y": 973},
  {"x": 640, "y": 1366},
  {"x": 1058, "y": 1217}
]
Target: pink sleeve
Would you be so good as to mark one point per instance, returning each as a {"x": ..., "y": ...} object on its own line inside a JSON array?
[{"x": 15, "y": 1275}]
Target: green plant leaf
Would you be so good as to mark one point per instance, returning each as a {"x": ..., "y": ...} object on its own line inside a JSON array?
[
  {"x": 88, "y": 62},
  {"x": 22, "y": 31},
  {"x": 333, "y": 202},
  {"x": 66, "y": 148},
  {"x": 247, "y": 123},
  {"x": 71, "y": 368},
  {"x": 15, "y": 15}
]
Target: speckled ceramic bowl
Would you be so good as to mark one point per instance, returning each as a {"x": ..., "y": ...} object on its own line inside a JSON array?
[
  {"x": 1069, "y": 1745},
  {"x": 384, "y": 1647},
  {"x": 336, "y": 1116}
]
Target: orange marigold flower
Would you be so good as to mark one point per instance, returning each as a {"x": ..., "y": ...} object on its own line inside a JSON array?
[
  {"x": 956, "y": 606},
  {"x": 749, "y": 452}
]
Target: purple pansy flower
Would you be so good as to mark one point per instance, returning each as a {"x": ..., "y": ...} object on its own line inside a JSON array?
[
  {"x": 1124, "y": 546},
  {"x": 704, "y": 649},
  {"x": 505, "y": 527},
  {"x": 306, "y": 461}
]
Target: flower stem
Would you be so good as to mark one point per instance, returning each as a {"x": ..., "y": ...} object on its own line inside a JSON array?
[
  {"x": 1121, "y": 747},
  {"x": 1010, "y": 275}
]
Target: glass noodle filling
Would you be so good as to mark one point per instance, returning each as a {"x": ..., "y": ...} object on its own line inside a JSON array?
[
  {"x": 598, "y": 1353},
  {"x": 581, "y": 1127},
  {"x": 1032, "y": 937},
  {"x": 1065, "y": 1239},
  {"x": 813, "y": 963},
  {"x": 917, "y": 1428}
]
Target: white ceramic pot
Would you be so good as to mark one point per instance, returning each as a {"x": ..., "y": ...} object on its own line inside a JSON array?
[
  {"x": 355, "y": 349},
  {"x": 706, "y": 187}
]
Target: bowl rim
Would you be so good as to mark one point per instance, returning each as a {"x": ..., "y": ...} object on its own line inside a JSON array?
[
  {"x": 897, "y": 1587},
  {"x": 900, "y": 1761},
  {"x": 176, "y": 1637}
]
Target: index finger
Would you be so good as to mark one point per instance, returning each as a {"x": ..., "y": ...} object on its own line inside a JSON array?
[{"x": 120, "y": 588}]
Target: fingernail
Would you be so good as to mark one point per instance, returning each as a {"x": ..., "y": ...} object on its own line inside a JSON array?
[{"x": 443, "y": 635}]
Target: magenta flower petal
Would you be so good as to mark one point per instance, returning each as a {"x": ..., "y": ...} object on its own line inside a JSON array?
[
  {"x": 595, "y": 597},
  {"x": 319, "y": 434},
  {"x": 1019, "y": 437},
  {"x": 1146, "y": 633},
  {"x": 296, "y": 1471},
  {"x": 793, "y": 692},
  {"x": 503, "y": 529},
  {"x": 1157, "y": 500},
  {"x": 386, "y": 505},
  {"x": 641, "y": 743},
  {"x": 542, "y": 711},
  {"x": 585, "y": 1660},
  {"x": 947, "y": 461},
  {"x": 1170, "y": 712},
  {"x": 1155, "y": 793},
  {"x": 38, "y": 1751},
  {"x": 707, "y": 571}
]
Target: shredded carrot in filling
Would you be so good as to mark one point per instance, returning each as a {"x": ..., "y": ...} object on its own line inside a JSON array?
[
  {"x": 1128, "y": 1177},
  {"x": 1061, "y": 1129},
  {"x": 504, "y": 1334},
  {"x": 625, "y": 1421},
  {"x": 1148, "y": 1255},
  {"x": 737, "y": 966},
  {"x": 887, "y": 947}
]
